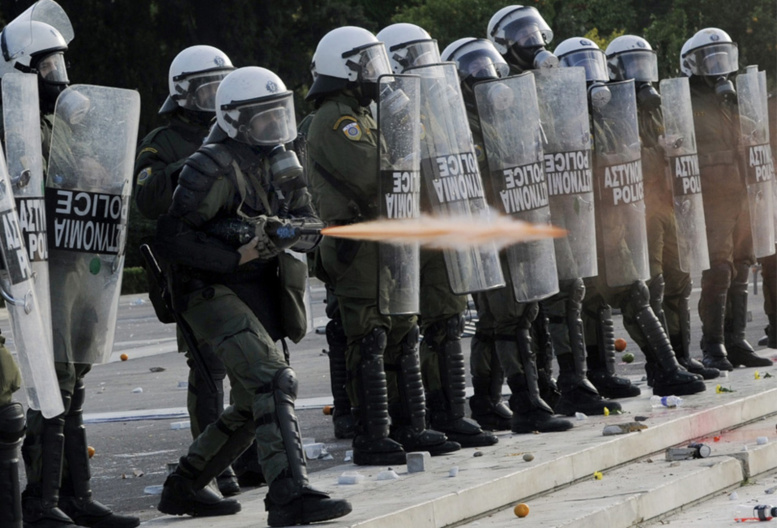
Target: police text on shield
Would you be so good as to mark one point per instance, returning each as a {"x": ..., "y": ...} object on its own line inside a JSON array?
[
  {"x": 84, "y": 221},
  {"x": 625, "y": 180}
]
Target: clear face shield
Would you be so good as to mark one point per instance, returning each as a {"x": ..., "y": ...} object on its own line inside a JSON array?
[
  {"x": 593, "y": 60},
  {"x": 416, "y": 53},
  {"x": 640, "y": 65},
  {"x": 369, "y": 63},
  {"x": 201, "y": 93},
  {"x": 714, "y": 60},
  {"x": 270, "y": 123},
  {"x": 52, "y": 69},
  {"x": 526, "y": 38},
  {"x": 478, "y": 61}
]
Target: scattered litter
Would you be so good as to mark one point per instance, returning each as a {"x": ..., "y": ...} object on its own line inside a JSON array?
[
  {"x": 453, "y": 471},
  {"x": 719, "y": 389},
  {"x": 716, "y": 438},
  {"x": 388, "y": 474},
  {"x": 618, "y": 429},
  {"x": 641, "y": 418},
  {"x": 137, "y": 473},
  {"x": 183, "y": 384},
  {"x": 137, "y": 390},
  {"x": 348, "y": 455},
  {"x": 724, "y": 373},
  {"x": 767, "y": 375},
  {"x": 674, "y": 464},
  {"x": 137, "y": 302},
  {"x": 477, "y": 454},
  {"x": 180, "y": 425},
  {"x": 761, "y": 440},
  {"x": 756, "y": 375},
  {"x": 733, "y": 495},
  {"x": 606, "y": 411},
  {"x": 153, "y": 490},
  {"x": 157, "y": 369},
  {"x": 744, "y": 448},
  {"x": 316, "y": 451},
  {"x": 350, "y": 478},
  {"x": 528, "y": 457},
  {"x": 688, "y": 453},
  {"x": 769, "y": 491},
  {"x": 418, "y": 462},
  {"x": 598, "y": 475},
  {"x": 581, "y": 416}
]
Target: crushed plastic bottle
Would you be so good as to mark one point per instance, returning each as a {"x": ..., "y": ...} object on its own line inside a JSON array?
[
  {"x": 757, "y": 513},
  {"x": 666, "y": 401}
]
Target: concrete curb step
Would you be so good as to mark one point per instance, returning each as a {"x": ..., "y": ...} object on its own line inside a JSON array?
[{"x": 501, "y": 478}]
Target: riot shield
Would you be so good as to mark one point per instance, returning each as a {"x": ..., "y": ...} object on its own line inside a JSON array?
[
  {"x": 21, "y": 119},
  {"x": 18, "y": 36},
  {"x": 561, "y": 94},
  {"x": 33, "y": 345},
  {"x": 620, "y": 207},
  {"x": 399, "y": 188},
  {"x": 88, "y": 188},
  {"x": 757, "y": 160},
  {"x": 510, "y": 125},
  {"x": 683, "y": 171},
  {"x": 450, "y": 176}
]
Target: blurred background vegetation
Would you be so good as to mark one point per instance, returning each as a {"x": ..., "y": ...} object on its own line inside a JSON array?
[{"x": 130, "y": 43}]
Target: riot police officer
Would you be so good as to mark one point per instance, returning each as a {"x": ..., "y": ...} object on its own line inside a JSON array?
[
  {"x": 12, "y": 425},
  {"x": 631, "y": 57},
  {"x": 708, "y": 59},
  {"x": 234, "y": 295}
]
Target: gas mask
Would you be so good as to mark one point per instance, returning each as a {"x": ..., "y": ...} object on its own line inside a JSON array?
[
  {"x": 723, "y": 87},
  {"x": 598, "y": 95},
  {"x": 285, "y": 168},
  {"x": 647, "y": 96},
  {"x": 544, "y": 59},
  {"x": 393, "y": 100}
]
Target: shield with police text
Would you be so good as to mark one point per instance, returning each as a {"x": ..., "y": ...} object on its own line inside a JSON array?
[
  {"x": 21, "y": 120},
  {"x": 683, "y": 172},
  {"x": 566, "y": 132},
  {"x": 33, "y": 344},
  {"x": 510, "y": 126},
  {"x": 620, "y": 207},
  {"x": 757, "y": 159},
  {"x": 88, "y": 187},
  {"x": 451, "y": 181},
  {"x": 399, "y": 186}
]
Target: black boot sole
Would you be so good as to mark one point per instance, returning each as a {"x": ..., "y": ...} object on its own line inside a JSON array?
[
  {"x": 334, "y": 510},
  {"x": 397, "y": 458},
  {"x": 747, "y": 358},
  {"x": 679, "y": 389},
  {"x": 198, "y": 509}
]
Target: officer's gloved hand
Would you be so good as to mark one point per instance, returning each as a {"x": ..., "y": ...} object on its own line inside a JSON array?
[
  {"x": 265, "y": 246},
  {"x": 283, "y": 232}
]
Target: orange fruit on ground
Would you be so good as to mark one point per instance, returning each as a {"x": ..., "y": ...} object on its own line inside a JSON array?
[
  {"x": 328, "y": 410},
  {"x": 620, "y": 344},
  {"x": 124, "y": 357},
  {"x": 90, "y": 451},
  {"x": 521, "y": 510}
]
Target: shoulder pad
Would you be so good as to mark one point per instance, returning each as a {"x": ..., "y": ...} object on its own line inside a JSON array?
[{"x": 199, "y": 172}]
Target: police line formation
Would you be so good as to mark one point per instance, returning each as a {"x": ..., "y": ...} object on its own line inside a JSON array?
[{"x": 652, "y": 181}]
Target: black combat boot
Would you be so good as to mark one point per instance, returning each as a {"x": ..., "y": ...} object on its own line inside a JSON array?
[
  {"x": 11, "y": 434},
  {"x": 601, "y": 359},
  {"x": 712, "y": 311},
  {"x": 543, "y": 347},
  {"x": 740, "y": 352},
  {"x": 371, "y": 444},
  {"x": 342, "y": 417},
  {"x": 291, "y": 500},
  {"x": 446, "y": 406},
  {"x": 577, "y": 393},
  {"x": 681, "y": 343},
  {"x": 408, "y": 415},
  {"x": 667, "y": 375},
  {"x": 40, "y": 500},
  {"x": 530, "y": 412},
  {"x": 488, "y": 408},
  {"x": 76, "y": 494}
]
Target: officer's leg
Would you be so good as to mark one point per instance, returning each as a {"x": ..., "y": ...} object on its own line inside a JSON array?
[
  {"x": 678, "y": 317},
  {"x": 76, "y": 493},
  {"x": 486, "y": 403},
  {"x": 769, "y": 288},
  {"x": 205, "y": 406},
  {"x": 442, "y": 345},
  {"x": 338, "y": 375},
  {"x": 740, "y": 352},
  {"x": 577, "y": 393},
  {"x": 599, "y": 333},
  {"x": 543, "y": 348},
  {"x": 408, "y": 407},
  {"x": 11, "y": 434},
  {"x": 530, "y": 412},
  {"x": 715, "y": 283},
  {"x": 667, "y": 374}
]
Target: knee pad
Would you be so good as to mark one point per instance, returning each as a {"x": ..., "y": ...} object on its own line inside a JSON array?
[
  {"x": 576, "y": 290},
  {"x": 639, "y": 295},
  {"x": 12, "y": 423},
  {"x": 656, "y": 288},
  {"x": 454, "y": 327},
  {"x": 335, "y": 334},
  {"x": 410, "y": 342},
  {"x": 529, "y": 315},
  {"x": 373, "y": 344},
  {"x": 77, "y": 399},
  {"x": 285, "y": 381}
]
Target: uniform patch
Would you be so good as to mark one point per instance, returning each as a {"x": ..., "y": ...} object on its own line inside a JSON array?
[
  {"x": 352, "y": 131},
  {"x": 152, "y": 150},
  {"x": 479, "y": 153},
  {"x": 144, "y": 175}
]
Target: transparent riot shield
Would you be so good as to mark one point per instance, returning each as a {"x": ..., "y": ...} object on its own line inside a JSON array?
[
  {"x": 399, "y": 189},
  {"x": 683, "y": 170},
  {"x": 620, "y": 208},
  {"x": 33, "y": 345},
  {"x": 18, "y": 34},
  {"x": 88, "y": 189},
  {"x": 757, "y": 160},
  {"x": 510, "y": 125},
  {"x": 21, "y": 121},
  {"x": 450, "y": 176},
  {"x": 566, "y": 128}
]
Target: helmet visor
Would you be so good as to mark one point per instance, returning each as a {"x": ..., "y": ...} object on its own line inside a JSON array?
[
  {"x": 714, "y": 59},
  {"x": 417, "y": 53},
  {"x": 593, "y": 60},
  {"x": 52, "y": 68},
  {"x": 479, "y": 60},
  {"x": 640, "y": 65},
  {"x": 527, "y": 32},
  {"x": 201, "y": 92},
  {"x": 271, "y": 123},
  {"x": 369, "y": 63}
]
